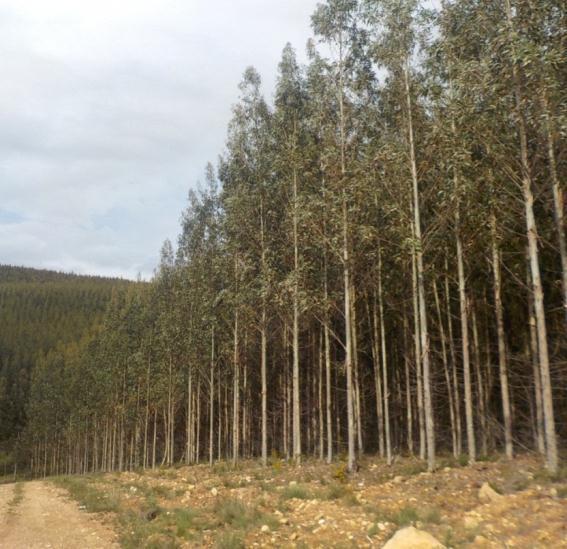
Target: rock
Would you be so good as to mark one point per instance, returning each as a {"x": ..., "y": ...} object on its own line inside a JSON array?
[
  {"x": 487, "y": 494},
  {"x": 381, "y": 526},
  {"x": 214, "y": 492},
  {"x": 284, "y": 520},
  {"x": 265, "y": 529},
  {"x": 553, "y": 492},
  {"x": 398, "y": 479},
  {"x": 470, "y": 522},
  {"x": 412, "y": 538},
  {"x": 158, "y": 540},
  {"x": 446, "y": 469},
  {"x": 292, "y": 483},
  {"x": 293, "y": 536},
  {"x": 481, "y": 541}
]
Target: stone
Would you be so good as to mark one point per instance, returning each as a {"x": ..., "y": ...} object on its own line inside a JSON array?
[
  {"x": 214, "y": 492},
  {"x": 381, "y": 526},
  {"x": 265, "y": 529},
  {"x": 470, "y": 522},
  {"x": 292, "y": 483},
  {"x": 293, "y": 536},
  {"x": 284, "y": 520},
  {"x": 398, "y": 479},
  {"x": 481, "y": 541},
  {"x": 412, "y": 538},
  {"x": 487, "y": 494}
]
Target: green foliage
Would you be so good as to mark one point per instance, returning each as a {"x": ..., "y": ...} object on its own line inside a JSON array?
[
  {"x": 94, "y": 500},
  {"x": 405, "y": 516},
  {"x": 39, "y": 311},
  {"x": 336, "y": 491},
  {"x": 229, "y": 540},
  {"x": 237, "y": 514},
  {"x": 347, "y": 186},
  {"x": 17, "y": 497},
  {"x": 295, "y": 491},
  {"x": 341, "y": 473}
]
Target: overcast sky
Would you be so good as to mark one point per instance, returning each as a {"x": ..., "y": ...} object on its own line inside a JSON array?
[{"x": 109, "y": 111}]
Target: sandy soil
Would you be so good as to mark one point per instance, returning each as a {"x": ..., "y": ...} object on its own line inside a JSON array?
[
  {"x": 45, "y": 518},
  {"x": 6, "y": 494}
]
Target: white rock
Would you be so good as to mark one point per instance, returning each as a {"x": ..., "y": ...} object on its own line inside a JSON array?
[
  {"x": 398, "y": 479},
  {"x": 412, "y": 538},
  {"x": 215, "y": 492},
  {"x": 381, "y": 526},
  {"x": 481, "y": 541},
  {"x": 470, "y": 522},
  {"x": 265, "y": 528},
  {"x": 487, "y": 494}
]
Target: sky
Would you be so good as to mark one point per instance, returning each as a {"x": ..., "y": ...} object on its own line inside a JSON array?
[{"x": 109, "y": 112}]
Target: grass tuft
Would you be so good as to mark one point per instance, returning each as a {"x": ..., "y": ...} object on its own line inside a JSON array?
[
  {"x": 94, "y": 500},
  {"x": 17, "y": 497},
  {"x": 405, "y": 516},
  {"x": 229, "y": 540},
  {"x": 296, "y": 491}
]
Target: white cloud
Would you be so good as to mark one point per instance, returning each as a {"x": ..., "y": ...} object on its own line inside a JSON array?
[{"x": 109, "y": 112}]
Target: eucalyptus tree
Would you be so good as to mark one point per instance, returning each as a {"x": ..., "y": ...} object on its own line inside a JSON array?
[
  {"x": 394, "y": 25},
  {"x": 336, "y": 23},
  {"x": 318, "y": 214},
  {"x": 290, "y": 140},
  {"x": 246, "y": 177}
]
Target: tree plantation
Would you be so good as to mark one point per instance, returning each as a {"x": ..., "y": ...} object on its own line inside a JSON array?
[
  {"x": 39, "y": 310},
  {"x": 376, "y": 264}
]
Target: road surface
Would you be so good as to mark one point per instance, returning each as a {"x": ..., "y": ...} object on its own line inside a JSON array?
[{"x": 43, "y": 517}]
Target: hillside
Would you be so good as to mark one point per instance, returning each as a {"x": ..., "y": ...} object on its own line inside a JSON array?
[{"x": 40, "y": 309}]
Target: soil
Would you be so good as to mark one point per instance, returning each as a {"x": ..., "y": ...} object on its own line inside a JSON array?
[
  {"x": 318, "y": 505},
  {"x": 314, "y": 505},
  {"x": 45, "y": 518}
]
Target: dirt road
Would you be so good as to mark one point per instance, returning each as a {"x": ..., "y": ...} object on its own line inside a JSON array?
[{"x": 38, "y": 515}]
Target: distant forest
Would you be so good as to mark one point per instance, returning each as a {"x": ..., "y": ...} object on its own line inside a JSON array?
[
  {"x": 377, "y": 263},
  {"x": 39, "y": 311}
]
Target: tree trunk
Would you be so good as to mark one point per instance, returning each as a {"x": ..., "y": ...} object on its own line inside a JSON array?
[
  {"x": 212, "y": 399},
  {"x": 552, "y": 460},
  {"x": 502, "y": 359},
  {"x": 471, "y": 445},
  {"x": 384, "y": 363},
  {"x": 446, "y": 371},
  {"x": 558, "y": 199}
]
